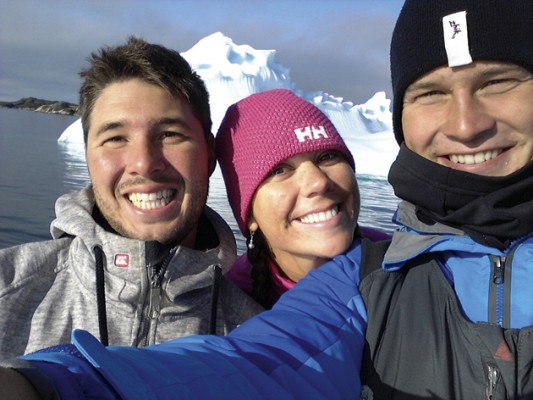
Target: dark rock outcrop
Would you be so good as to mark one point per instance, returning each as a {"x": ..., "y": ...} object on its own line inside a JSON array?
[{"x": 40, "y": 105}]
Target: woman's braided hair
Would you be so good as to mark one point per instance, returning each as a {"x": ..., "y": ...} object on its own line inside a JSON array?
[{"x": 262, "y": 284}]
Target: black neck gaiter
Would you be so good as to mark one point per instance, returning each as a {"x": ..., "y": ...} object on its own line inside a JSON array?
[{"x": 492, "y": 210}]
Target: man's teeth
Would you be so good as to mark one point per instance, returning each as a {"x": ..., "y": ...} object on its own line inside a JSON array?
[
  {"x": 149, "y": 201},
  {"x": 320, "y": 216},
  {"x": 475, "y": 158}
]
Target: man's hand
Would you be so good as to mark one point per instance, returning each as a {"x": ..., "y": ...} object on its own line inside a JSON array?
[{"x": 14, "y": 386}]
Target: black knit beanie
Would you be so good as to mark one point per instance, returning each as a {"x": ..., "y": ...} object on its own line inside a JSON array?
[{"x": 491, "y": 30}]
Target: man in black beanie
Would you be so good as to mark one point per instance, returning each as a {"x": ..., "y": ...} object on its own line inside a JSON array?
[
  {"x": 462, "y": 76},
  {"x": 444, "y": 310}
]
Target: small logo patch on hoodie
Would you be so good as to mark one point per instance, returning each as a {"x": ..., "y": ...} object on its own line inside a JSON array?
[{"x": 122, "y": 260}]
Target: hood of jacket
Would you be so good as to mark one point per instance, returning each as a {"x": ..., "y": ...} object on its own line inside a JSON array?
[
  {"x": 417, "y": 236},
  {"x": 127, "y": 261}
]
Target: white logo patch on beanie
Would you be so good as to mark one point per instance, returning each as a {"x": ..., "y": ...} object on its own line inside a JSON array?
[
  {"x": 310, "y": 133},
  {"x": 456, "y": 39}
]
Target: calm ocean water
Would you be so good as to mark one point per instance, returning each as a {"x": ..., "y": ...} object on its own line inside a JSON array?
[{"x": 35, "y": 169}]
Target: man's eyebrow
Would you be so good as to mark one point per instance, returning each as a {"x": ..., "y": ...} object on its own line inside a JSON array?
[
  {"x": 500, "y": 68},
  {"x": 109, "y": 127},
  {"x": 173, "y": 121},
  {"x": 421, "y": 85},
  {"x": 485, "y": 71}
]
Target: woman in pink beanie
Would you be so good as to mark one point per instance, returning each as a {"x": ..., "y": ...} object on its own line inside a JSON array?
[{"x": 291, "y": 185}]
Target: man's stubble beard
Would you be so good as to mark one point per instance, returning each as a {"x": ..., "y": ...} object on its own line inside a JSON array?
[{"x": 187, "y": 220}]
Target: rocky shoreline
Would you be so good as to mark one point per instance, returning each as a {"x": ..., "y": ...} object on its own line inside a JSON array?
[{"x": 40, "y": 105}]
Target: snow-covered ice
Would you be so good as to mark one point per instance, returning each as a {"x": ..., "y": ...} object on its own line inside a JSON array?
[{"x": 232, "y": 72}]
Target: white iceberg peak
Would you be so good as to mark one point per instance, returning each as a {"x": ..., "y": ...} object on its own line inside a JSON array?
[{"x": 218, "y": 56}]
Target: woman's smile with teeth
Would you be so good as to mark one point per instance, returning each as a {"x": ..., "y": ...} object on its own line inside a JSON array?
[
  {"x": 149, "y": 201},
  {"x": 319, "y": 216},
  {"x": 476, "y": 158}
]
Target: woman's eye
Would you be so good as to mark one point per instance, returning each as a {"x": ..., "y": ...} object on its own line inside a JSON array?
[
  {"x": 278, "y": 171},
  {"x": 332, "y": 156}
]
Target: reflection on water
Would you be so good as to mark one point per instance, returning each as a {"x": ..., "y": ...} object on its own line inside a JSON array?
[
  {"x": 218, "y": 201},
  {"x": 31, "y": 173},
  {"x": 378, "y": 202},
  {"x": 35, "y": 170},
  {"x": 75, "y": 174}
]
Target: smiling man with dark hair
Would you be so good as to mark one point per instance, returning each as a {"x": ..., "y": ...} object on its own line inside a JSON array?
[{"x": 135, "y": 257}]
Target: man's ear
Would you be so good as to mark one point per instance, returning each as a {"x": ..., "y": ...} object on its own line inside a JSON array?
[{"x": 211, "y": 153}]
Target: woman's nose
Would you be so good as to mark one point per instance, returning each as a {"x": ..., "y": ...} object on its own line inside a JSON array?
[{"x": 313, "y": 180}]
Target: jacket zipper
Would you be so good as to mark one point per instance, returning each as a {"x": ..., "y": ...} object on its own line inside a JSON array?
[
  {"x": 493, "y": 376},
  {"x": 155, "y": 291},
  {"x": 157, "y": 272},
  {"x": 498, "y": 278}
]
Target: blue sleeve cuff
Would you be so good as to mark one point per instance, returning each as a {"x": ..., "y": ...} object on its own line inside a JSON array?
[{"x": 72, "y": 376}]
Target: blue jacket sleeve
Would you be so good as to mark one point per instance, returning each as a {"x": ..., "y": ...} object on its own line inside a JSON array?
[{"x": 309, "y": 345}]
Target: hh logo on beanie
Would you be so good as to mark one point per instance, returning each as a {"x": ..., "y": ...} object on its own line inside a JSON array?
[{"x": 310, "y": 133}]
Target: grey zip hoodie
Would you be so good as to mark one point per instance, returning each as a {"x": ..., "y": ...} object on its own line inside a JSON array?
[{"x": 148, "y": 293}]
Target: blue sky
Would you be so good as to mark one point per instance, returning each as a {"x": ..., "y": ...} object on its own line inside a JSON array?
[{"x": 337, "y": 46}]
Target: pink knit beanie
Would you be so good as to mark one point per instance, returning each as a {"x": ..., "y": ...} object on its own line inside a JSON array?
[{"x": 262, "y": 130}]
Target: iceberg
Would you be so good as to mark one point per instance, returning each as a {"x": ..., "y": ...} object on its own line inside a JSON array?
[
  {"x": 73, "y": 134},
  {"x": 232, "y": 72}
]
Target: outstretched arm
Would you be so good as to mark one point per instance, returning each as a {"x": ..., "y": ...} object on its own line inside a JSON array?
[{"x": 309, "y": 345}]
